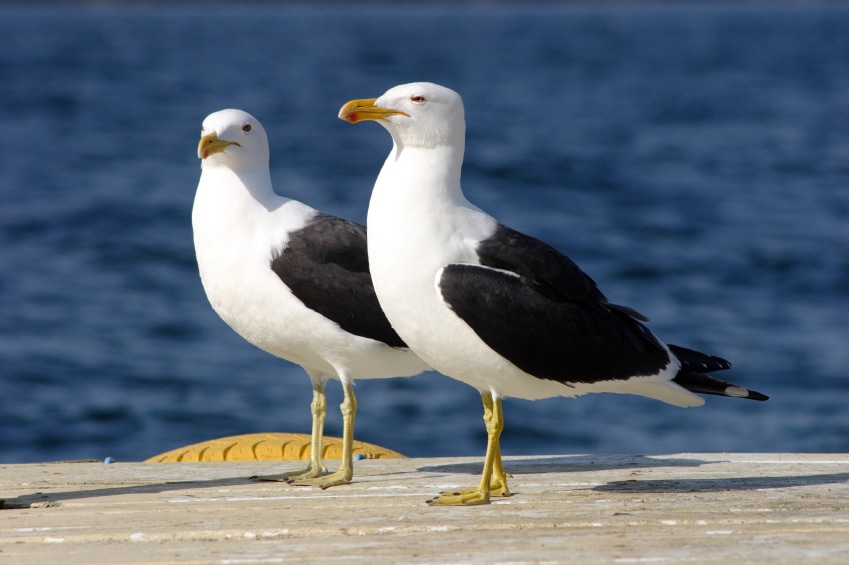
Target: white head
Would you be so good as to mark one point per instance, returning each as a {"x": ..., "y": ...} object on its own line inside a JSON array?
[
  {"x": 419, "y": 114},
  {"x": 234, "y": 139}
]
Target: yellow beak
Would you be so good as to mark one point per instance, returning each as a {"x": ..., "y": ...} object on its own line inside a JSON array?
[
  {"x": 357, "y": 110},
  {"x": 210, "y": 145}
]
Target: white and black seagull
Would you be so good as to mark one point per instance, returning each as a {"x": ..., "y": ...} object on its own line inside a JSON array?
[
  {"x": 291, "y": 280},
  {"x": 490, "y": 306}
]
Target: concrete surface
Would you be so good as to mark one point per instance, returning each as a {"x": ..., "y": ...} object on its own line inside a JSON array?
[{"x": 682, "y": 508}]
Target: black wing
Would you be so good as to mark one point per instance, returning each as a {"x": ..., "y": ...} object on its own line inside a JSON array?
[
  {"x": 325, "y": 265},
  {"x": 566, "y": 332},
  {"x": 545, "y": 269}
]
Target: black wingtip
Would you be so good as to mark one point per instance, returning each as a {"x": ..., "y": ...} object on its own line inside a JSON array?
[
  {"x": 754, "y": 395},
  {"x": 707, "y": 384},
  {"x": 692, "y": 375},
  {"x": 734, "y": 391}
]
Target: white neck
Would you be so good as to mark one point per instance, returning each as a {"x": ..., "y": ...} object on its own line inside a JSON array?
[
  {"x": 418, "y": 215},
  {"x": 236, "y": 209},
  {"x": 238, "y": 187},
  {"x": 419, "y": 181}
]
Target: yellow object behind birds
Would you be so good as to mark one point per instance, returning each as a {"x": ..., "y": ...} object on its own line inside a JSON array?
[{"x": 267, "y": 447}]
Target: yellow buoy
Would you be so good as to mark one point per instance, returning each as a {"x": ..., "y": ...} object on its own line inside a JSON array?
[{"x": 267, "y": 447}]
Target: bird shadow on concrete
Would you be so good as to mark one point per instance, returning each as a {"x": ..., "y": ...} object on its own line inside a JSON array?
[
  {"x": 571, "y": 464},
  {"x": 55, "y": 498},
  {"x": 723, "y": 484}
]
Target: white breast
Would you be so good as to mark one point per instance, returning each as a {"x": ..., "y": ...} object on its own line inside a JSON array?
[{"x": 236, "y": 238}]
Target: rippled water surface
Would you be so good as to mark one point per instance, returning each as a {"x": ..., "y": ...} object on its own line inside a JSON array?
[{"x": 694, "y": 161}]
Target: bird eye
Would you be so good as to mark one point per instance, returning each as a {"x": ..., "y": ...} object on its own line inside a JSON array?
[
  {"x": 246, "y": 128},
  {"x": 418, "y": 99}
]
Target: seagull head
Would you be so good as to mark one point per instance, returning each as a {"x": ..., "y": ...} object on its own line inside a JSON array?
[
  {"x": 418, "y": 114},
  {"x": 233, "y": 138}
]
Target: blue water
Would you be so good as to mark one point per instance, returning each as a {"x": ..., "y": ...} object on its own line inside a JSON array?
[{"x": 693, "y": 160}]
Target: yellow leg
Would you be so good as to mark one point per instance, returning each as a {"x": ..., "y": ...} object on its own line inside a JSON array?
[
  {"x": 493, "y": 469},
  {"x": 345, "y": 472},
  {"x": 498, "y": 481},
  {"x": 316, "y": 466}
]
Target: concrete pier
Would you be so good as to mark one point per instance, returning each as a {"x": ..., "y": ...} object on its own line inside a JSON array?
[{"x": 587, "y": 509}]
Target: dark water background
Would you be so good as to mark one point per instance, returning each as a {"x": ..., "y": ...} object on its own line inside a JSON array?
[{"x": 693, "y": 160}]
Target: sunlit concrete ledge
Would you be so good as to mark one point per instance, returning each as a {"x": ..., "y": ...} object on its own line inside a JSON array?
[{"x": 681, "y": 508}]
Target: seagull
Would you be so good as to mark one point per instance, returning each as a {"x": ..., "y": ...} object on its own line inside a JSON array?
[
  {"x": 290, "y": 279},
  {"x": 493, "y": 307}
]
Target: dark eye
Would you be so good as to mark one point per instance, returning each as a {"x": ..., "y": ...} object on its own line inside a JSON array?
[
  {"x": 418, "y": 99},
  {"x": 246, "y": 128}
]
